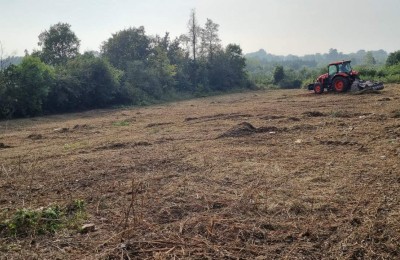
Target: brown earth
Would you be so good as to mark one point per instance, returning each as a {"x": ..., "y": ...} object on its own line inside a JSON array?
[{"x": 258, "y": 175}]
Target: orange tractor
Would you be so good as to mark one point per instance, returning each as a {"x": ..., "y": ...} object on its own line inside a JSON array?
[{"x": 341, "y": 78}]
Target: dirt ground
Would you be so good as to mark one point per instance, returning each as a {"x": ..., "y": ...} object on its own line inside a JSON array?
[{"x": 281, "y": 174}]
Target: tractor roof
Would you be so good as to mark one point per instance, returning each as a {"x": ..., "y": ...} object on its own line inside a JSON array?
[{"x": 340, "y": 62}]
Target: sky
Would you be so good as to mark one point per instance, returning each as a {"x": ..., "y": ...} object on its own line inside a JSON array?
[{"x": 280, "y": 27}]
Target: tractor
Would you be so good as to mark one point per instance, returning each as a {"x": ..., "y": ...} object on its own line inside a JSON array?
[{"x": 340, "y": 78}]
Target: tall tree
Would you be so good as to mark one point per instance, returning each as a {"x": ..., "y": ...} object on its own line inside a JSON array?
[
  {"x": 84, "y": 82},
  {"x": 194, "y": 34},
  {"x": 58, "y": 44},
  {"x": 193, "y": 38},
  {"x": 227, "y": 69},
  {"x": 393, "y": 59},
  {"x": 279, "y": 74},
  {"x": 26, "y": 87},
  {"x": 126, "y": 46},
  {"x": 210, "y": 38},
  {"x": 369, "y": 58}
]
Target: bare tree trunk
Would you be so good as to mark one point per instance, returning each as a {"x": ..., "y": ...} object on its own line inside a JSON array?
[{"x": 193, "y": 31}]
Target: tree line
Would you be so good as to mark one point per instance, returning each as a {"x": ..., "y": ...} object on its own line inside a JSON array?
[
  {"x": 268, "y": 70},
  {"x": 132, "y": 68}
]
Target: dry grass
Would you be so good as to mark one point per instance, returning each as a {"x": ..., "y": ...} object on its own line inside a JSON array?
[{"x": 306, "y": 177}]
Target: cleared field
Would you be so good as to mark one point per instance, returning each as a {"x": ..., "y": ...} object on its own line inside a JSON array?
[{"x": 267, "y": 174}]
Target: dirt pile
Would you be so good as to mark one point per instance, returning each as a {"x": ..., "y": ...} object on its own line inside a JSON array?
[
  {"x": 4, "y": 146},
  {"x": 35, "y": 136},
  {"x": 245, "y": 128}
]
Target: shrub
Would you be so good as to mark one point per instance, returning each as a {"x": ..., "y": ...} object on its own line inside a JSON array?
[
  {"x": 25, "y": 87},
  {"x": 30, "y": 222}
]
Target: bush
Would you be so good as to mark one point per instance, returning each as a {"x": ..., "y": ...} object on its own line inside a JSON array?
[
  {"x": 30, "y": 222},
  {"x": 393, "y": 59},
  {"x": 367, "y": 71},
  {"x": 392, "y": 78},
  {"x": 290, "y": 84},
  {"x": 85, "y": 82},
  {"x": 25, "y": 87}
]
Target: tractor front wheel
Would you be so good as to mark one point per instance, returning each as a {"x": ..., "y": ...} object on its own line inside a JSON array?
[
  {"x": 340, "y": 84},
  {"x": 318, "y": 88}
]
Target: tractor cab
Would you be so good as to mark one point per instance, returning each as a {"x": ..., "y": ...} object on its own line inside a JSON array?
[{"x": 336, "y": 67}]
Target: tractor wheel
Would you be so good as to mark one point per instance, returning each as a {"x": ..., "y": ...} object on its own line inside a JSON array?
[
  {"x": 340, "y": 84},
  {"x": 318, "y": 88}
]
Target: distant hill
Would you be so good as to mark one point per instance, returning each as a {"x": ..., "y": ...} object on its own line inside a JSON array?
[
  {"x": 15, "y": 60},
  {"x": 318, "y": 59}
]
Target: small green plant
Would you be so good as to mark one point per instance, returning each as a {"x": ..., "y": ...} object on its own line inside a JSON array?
[
  {"x": 121, "y": 123},
  {"x": 23, "y": 222},
  {"x": 74, "y": 146},
  {"x": 29, "y": 222},
  {"x": 50, "y": 219},
  {"x": 79, "y": 204},
  {"x": 76, "y": 214}
]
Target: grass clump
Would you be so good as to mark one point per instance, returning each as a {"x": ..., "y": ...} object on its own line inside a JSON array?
[
  {"x": 30, "y": 222},
  {"x": 121, "y": 123}
]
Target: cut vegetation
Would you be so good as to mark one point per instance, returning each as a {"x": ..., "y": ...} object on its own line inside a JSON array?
[{"x": 279, "y": 174}]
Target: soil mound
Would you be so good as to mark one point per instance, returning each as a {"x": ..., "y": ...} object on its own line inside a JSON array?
[
  {"x": 245, "y": 128},
  {"x": 313, "y": 114},
  {"x": 81, "y": 127},
  {"x": 35, "y": 136},
  {"x": 4, "y": 146},
  {"x": 241, "y": 129}
]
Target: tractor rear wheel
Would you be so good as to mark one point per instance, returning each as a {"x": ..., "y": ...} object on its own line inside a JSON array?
[
  {"x": 318, "y": 88},
  {"x": 340, "y": 84}
]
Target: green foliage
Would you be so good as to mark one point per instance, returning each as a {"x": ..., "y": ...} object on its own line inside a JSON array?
[
  {"x": 160, "y": 68},
  {"x": 210, "y": 42},
  {"x": 385, "y": 74},
  {"x": 279, "y": 74},
  {"x": 369, "y": 59},
  {"x": 78, "y": 205},
  {"x": 84, "y": 82},
  {"x": 133, "y": 68},
  {"x": 262, "y": 66},
  {"x": 226, "y": 70},
  {"x": 126, "y": 46},
  {"x": 30, "y": 222},
  {"x": 24, "y": 87},
  {"x": 314, "y": 61},
  {"x": 142, "y": 83},
  {"x": 121, "y": 123},
  {"x": 393, "y": 59},
  {"x": 367, "y": 71},
  {"x": 59, "y": 44}
]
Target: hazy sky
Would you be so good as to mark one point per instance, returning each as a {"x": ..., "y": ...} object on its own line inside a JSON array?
[{"x": 279, "y": 26}]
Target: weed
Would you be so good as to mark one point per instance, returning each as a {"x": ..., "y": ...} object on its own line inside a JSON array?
[
  {"x": 76, "y": 214},
  {"x": 74, "y": 146},
  {"x": 29, "y": 222},
  {"x": 121, "y": 123}
]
